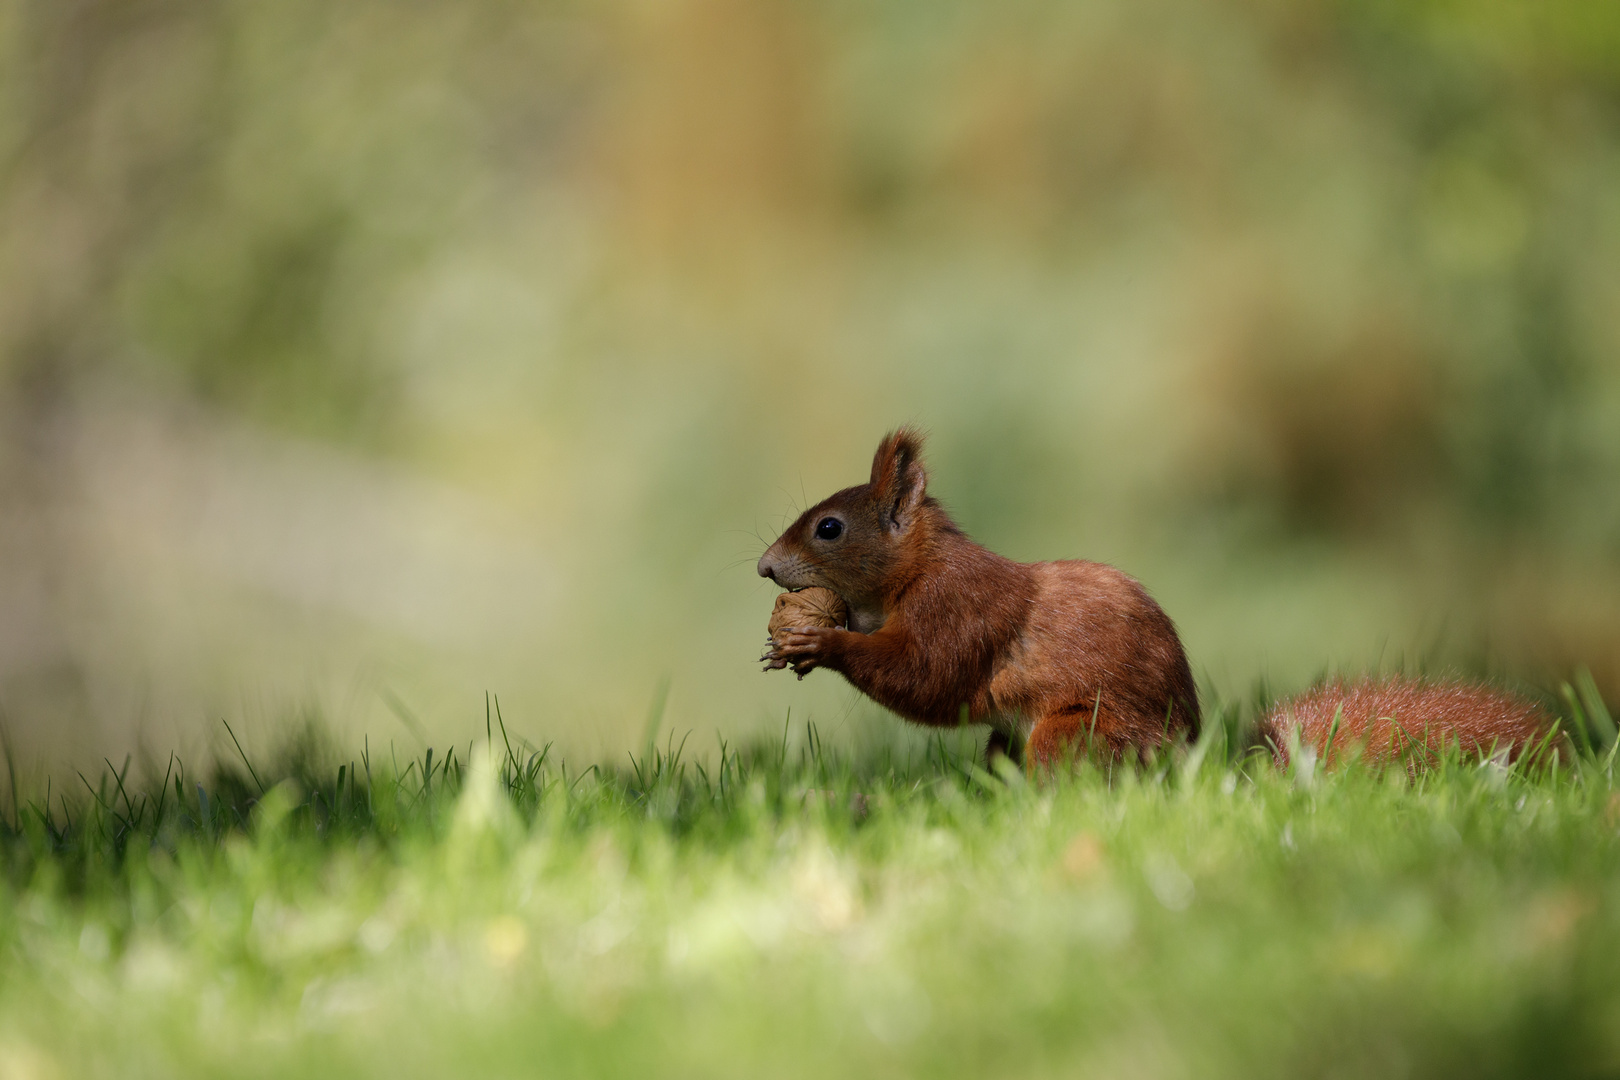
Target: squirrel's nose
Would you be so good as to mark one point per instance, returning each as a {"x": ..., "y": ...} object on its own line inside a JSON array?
[{"x": 767, "y": 568}]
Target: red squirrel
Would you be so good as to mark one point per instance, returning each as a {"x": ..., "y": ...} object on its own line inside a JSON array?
[
  {"x": 1067, "y": 655},
  {"x": 942, "y": 630}
]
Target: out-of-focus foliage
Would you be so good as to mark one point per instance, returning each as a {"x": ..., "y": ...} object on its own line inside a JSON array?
[{"x": 466, "y": 345}]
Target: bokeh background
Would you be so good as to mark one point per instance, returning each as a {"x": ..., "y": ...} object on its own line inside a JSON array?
[{"x": 357, "y": 359}]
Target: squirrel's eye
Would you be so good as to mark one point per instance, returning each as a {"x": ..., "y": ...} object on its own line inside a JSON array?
[{"x": 829, "y": 529}]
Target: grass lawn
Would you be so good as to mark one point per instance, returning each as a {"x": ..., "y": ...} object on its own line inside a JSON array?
[{"x": 788, "y": 911}]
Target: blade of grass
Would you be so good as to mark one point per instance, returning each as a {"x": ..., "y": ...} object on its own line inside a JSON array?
[
  {"x": 119, "y": 780},
  {"x": 245, "y": 760}
]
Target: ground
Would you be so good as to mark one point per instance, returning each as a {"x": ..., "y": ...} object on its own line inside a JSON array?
[{"x": 791, "y": 911}]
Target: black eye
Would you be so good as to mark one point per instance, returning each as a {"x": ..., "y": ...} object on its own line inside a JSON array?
[{"x": 829, "y": 529}]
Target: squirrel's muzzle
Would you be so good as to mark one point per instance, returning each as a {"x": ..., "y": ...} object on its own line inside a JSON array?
[{"x": 787, "y": 568}]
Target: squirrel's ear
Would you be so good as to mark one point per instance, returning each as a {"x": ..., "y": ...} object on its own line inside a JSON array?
[{"x": 899, "y": 482}]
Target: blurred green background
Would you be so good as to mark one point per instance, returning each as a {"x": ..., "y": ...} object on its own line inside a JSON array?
[{"x": 356, "y": 359}]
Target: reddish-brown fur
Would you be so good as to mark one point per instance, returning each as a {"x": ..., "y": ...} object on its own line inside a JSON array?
[
  {"x": 943, "y": 630},
  {"x": 1410, "y": 720}
]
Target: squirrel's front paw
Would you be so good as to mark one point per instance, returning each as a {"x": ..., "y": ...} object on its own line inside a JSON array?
[{"x": 803, "y": 648}]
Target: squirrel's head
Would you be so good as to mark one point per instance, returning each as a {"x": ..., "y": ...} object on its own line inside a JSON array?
[{"x": 854, "y": 541}]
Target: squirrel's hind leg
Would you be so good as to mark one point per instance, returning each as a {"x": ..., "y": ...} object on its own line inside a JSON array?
[
  {"x": 1062, "y": 736},
  {"x": 1002, "y": 744}
]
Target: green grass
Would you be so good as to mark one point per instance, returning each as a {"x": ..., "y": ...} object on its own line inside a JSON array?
[{"x": 788, "y": 910}]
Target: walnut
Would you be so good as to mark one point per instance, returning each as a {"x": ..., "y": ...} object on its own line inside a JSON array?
[{"x": 807, "y": 607}]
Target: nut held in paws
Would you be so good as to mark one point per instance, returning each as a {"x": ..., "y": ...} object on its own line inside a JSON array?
[{"x": 807, "y": 607}]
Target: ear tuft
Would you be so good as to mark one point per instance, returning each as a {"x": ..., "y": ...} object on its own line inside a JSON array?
[{"x": 899, "y": 482}]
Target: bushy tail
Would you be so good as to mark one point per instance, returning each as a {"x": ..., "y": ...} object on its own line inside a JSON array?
[{"x": 1410, "y": 720}]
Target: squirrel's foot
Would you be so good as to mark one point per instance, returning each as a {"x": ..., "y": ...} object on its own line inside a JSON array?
[{"x": 804, "y": 648}]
